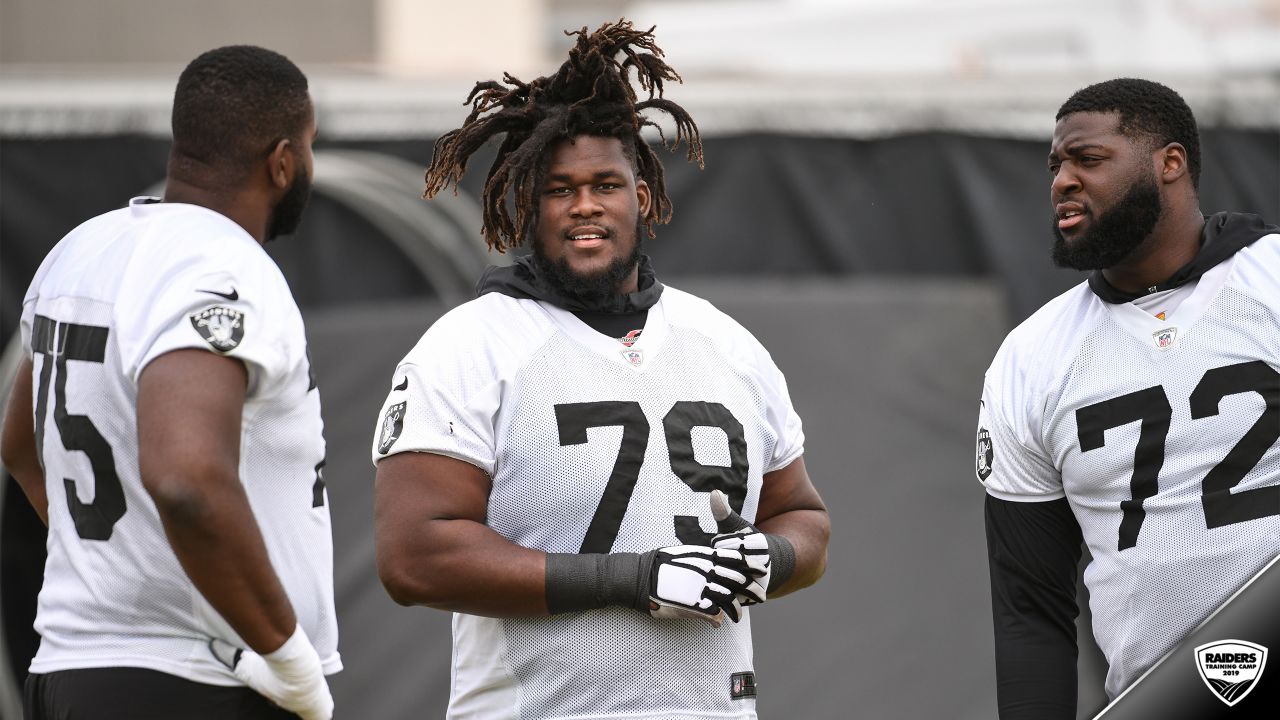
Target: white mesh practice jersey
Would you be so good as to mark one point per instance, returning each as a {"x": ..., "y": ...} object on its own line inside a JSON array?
[
  {"x": 596, "y": 446},
  {"x": 1161, "y": 434},
  {"x": 117, "y": 292}
]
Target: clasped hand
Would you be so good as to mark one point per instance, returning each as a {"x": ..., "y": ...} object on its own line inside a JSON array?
[{"x": 710, "y": 583}]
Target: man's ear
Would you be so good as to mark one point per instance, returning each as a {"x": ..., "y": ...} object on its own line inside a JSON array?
[
  {"x": 1173, "y": 162},
  {"x": 280, "y": 164},
  {"x": 644, "y": 196}
]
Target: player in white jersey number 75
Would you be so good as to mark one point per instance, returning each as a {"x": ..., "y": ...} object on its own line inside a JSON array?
[{"x": 166, "y": 426}]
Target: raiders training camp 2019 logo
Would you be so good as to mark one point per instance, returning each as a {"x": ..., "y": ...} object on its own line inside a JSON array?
[
  {"x": 221, "y": 327},
  {"x": 392, "y": 424},
  {"x": 986, "y": 453},
  {"x": 1231, "y": 668}
]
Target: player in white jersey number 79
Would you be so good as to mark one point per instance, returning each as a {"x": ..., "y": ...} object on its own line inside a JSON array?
[{"x": 554, "y": 455}]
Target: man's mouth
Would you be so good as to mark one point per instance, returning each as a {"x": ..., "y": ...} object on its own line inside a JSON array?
[
  {"x": 1070, "y": 215},
  {"x": 587, "y": 237}
]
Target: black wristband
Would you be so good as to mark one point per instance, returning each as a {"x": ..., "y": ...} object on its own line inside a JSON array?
[
  {"x": 782, "y": 560},
  {"x": 588, "y": 581}
]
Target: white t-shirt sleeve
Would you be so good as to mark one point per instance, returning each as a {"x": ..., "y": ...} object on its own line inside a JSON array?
[
  {"x": 782, "y": 415},
  {"x": 227, "y": 301},
  {"x": 1010, "y": 460},
  {"x": 442, "y": 401}
]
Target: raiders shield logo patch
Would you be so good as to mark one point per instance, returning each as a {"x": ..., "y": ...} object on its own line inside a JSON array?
[
  {"x": 392, "y": 424},
  {"x": 986, "y": 453},
  {"x": 1231, "y": 668},
  {"x": 221, "y": 327}
]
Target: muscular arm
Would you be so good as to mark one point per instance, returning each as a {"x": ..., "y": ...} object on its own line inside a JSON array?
[
  {"x": 18, "y": 443},
  {"x": 189, "y": 409},
  {"x": 790, "y": 507},
  {"x": 1034, "y": 549},
  {"x": 434, "y": 549}
]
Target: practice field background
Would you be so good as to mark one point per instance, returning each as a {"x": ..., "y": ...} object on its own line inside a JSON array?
[{"x": 874, "y": 208}]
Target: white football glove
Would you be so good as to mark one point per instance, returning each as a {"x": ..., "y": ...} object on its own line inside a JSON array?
[
  {"x": 697, "y": 582},
  {"x": 290, "y": 677},
  {"x": 735, "y": 533}
]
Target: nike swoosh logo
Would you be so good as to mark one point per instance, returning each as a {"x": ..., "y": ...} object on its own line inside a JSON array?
[
  {"x": 402, "y": 386},
  {"x": 232, "y": 296}
]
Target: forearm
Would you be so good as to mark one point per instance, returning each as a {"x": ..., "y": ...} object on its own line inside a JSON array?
[
  {"x": 807, "y": 531},
  {"x": 463, "y": 566},
  {"x": 219, "y": 544},
  {"x": 18, "y": 449},
  {"x": 31, "y": 480}
]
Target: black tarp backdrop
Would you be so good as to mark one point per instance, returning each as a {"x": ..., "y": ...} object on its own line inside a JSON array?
[
  {"x": 921, "y": 204},
  {"x": 912, "y": 207}
]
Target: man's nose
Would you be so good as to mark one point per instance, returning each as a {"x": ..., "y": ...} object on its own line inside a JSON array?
[{"x": 585, "y": 204}]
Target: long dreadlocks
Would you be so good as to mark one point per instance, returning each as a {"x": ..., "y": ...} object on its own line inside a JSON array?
[{"x": 591, "y": 94}]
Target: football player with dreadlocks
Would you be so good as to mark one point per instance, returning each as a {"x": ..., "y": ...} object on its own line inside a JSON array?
[{"x": 591, "y": 469}]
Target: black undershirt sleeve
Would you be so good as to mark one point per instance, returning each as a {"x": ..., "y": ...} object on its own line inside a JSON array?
[{"x": 1034, "y": 550}]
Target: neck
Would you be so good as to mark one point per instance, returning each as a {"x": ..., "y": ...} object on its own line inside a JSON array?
[
  {"x": 631, "y": 283},
  {"x": 241, "y": 205},
  {"x": 1174, "y": 242}
]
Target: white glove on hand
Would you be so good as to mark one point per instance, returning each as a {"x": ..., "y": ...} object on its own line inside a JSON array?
[
  {"x": 696, "y": 582},
  {"x": 737, "y": 534},
  {"x": 290, "y": 677}
]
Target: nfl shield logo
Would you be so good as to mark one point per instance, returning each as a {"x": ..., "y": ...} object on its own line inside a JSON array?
[
  {"x": 221, "y": 327},
  {"x": 1231, "y": 668},
  {"x": 392, "y": 424},
  {"x": 633, "y": 356},
  {"x": 1164, "y": 338}
]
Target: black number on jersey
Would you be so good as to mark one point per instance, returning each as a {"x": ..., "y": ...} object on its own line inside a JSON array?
[
  {"x": 58, "y": 343},
  {"x": 317, "y": 488},
  {"x": 732, "y": 481},
  {"x": 1221, "y": 506},
  {"x": 1152, "y": 408},
  {"x": 573, "y": 419}
]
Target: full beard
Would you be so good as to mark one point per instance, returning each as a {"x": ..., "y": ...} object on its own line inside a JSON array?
[
  {"x": 287, "y": 214},
  {"x": 594, "y": 289},
  {"x": 1115, "y": 234}
]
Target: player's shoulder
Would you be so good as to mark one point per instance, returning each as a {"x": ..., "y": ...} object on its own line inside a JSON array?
[
  {"x": 188, "y": 233},
  {"x": 1255, "y": 269},
  {"x": 68, "y": 250},
  {"x": 684, "y": 309},
  {"x": 491, "y": 325},
  {"x": 1045, "y": 344}
]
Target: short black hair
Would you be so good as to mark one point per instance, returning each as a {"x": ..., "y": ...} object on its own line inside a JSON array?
[
  {"x": 590, "y": 95},
  {"x": 233, "y": 104},
  {"x": 1147, "y": 109}
]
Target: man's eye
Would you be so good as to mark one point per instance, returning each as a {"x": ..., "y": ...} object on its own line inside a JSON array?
[
  {"x": 1053, "y": 168},
  {"x": 558, "y": 191},
  {"x": 1090, "y": 160},
  {"x": 607, "y": 186}
]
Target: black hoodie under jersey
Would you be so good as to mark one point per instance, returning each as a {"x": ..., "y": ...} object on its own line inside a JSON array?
[
  {"x": 1224, "y": 233},
  {"x": 615, "y": 317}
]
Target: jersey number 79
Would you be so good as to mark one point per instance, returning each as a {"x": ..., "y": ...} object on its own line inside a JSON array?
[{"x": 573, "y": 419}]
